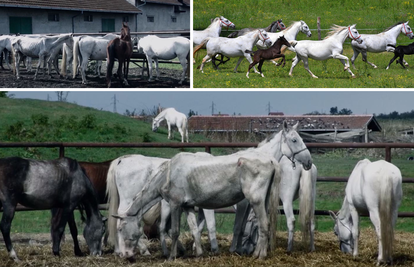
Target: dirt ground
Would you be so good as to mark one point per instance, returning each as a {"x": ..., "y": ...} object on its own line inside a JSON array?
[{"x": 169, "y": 78}]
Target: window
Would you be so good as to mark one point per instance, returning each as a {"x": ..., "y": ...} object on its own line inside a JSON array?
[
  {"x": 125, "y": 19},
  {"x": 173, "y": 19},
  {"x": 53, "y": 17},
  {"x": 108, "y": 25},
  {"x": 88, "y": 18},
  {"x": 150, "y": 18},
  {"x": 22, "y": 25}
]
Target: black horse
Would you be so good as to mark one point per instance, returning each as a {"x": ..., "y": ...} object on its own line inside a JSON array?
[
  {"x": 399, "y": 52},
  {"x": 60, "y": 185}
]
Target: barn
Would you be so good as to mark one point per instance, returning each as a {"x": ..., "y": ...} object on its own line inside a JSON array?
[
  {"x": 312, "y": 128},
  {"x": 92, "y": 16}
]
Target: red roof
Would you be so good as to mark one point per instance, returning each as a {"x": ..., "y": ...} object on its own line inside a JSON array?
[{"x": 307, "y": 123}]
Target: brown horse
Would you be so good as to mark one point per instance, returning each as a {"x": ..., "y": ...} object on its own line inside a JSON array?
[
  {"x": 121, "y": 49},
  {"x": 272, "y": 52}
]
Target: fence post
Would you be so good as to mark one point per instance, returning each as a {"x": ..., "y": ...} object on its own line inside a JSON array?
[
  {"x": 61, "y": 151},
  {"x": 208, "y": 149},
  {"x": 388, "y": 153},
  {"x": 319, "y": 28}
]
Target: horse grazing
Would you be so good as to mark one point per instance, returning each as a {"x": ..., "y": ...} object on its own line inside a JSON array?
[
  {"x": 156, "y": 48},
  {"x": 381, "y": 42},
  {"x": 121, "y": 49},
  {"x": 173, "y": 118},
  {"x": 399, "y": 52},
  {"x": 296, "y": 182},
  {"x": 126, "y": 177},
  {"x": 275, "y": 26},
  {"x": 374, "y": 188},
  {"x": 207, "y": 181},
  {"x": 330, "y": 47},
  {"x": 213, "y": 30},
  {"x": 55, "y": 184},
  {"x": 233, "y": 47},
  {"x": 272, "y": 52}
]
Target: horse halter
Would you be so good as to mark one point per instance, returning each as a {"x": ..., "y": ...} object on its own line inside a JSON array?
[
  {"x": 280, "y": 26},
  {"x": 341, "y": 241},
  {"x": 264, "y": 39},
  {"x": 405, "y": 29},
  {"x": 227, "y": 24},
  {"x": 352, "y": 36},
  {"x": 292, "y": 159}
]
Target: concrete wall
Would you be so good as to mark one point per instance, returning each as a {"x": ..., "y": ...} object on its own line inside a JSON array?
[{"x": 40, "y": 23}]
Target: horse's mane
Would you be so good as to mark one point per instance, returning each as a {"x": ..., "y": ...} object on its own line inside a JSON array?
[
  {"x": 211, "y": 25},
  {"x": 389, "y": 28},
  {"x": 267, "y": 139},
  {"x": 291, "y": 25},
  {"x": 334, "y": 30}
]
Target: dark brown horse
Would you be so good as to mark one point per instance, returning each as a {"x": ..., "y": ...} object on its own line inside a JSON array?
[
  {"x": 121, "y": 49},
  {"x": 272, "y": 52}
]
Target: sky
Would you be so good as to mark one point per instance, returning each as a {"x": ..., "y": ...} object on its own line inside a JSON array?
[{"x": 238, "y": 102}]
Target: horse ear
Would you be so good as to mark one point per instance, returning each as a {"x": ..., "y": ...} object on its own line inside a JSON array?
[
  {"x": 116, "y": 216},
  {"x": 333, "y": 215},
  {"x": 295, "y": 127},
  {"x": 285, "y": 126}
]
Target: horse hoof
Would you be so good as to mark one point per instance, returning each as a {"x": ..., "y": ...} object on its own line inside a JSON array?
[{"x": 353, "y": 76}]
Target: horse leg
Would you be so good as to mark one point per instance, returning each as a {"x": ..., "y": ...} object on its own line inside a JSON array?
[
  {"x": 306, "y": 66},
  {"x": 175, "y": 229},
  {"x": 263, "y": 241},
  {"x": 295, "y": 61},
  {"x": 342, "y": 58},
  {"x": 251, "y": 66},
  {"x": 365, "y": 59},
  {"x": 5, "y": 226},
  {"x": 211, "y": 227},
  {"x": 238, "y": 63},
  {"x": 192, "y": 223},
  {"x": 149, "y": 62},
  {"x": 59, "y": 220},
  {"x": 74, "y": 232},
  {"x": 401, "y": 60},
  {"x": 375, "y": 219},
  {"x": 206, "y": 58},
  {"x": 165, "y": 214},
  {"x": 391, "y": 61},
  {"x": 260, "y": 67},
  {"x": 240, "y": 220},
  {"x": 354, "y": 56},
  {"x": 156, "y": 68},
  {"x": 184, "y": 65},
  {"x": 83, "y": 67},
  {"x": 17, "y": 64},
  {"x": 290, "y": 221}
]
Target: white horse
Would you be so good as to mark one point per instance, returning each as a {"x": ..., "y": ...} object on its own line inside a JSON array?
[
  {"x": 374, "y": 188},
  {"x": 296, "y": 182},
  {"x": 173, "y": 118},
  {"x": 156, "y": 48},
  {"x": 88, "y": 47},
  {"x": 46, "y": 48},
  {"x": 330, "y": 47},
  {"x": 233, "y": 47},
  {"x": 5, "y": 44},
  {"x": 189, "y": 180},
  {"x": 126, "y": 177},
  {"x": 213, "y": 30},
  {"x": 377, "y": 43}
]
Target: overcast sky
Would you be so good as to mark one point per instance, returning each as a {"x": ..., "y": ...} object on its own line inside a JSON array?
[{"x": 238, "y": 102}]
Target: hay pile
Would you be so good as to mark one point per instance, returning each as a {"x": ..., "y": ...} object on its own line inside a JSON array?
[{"x": 37, "y": 253}]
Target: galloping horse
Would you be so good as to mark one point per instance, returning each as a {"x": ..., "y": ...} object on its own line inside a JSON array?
[
  {"x": 275, "y": 26},
  {"x": 373, "y": 187},
  {"x": 55, "y": 184},
  {"x": 213, "y": 30},
  {"x": 377, "y": 43},
  {"x": 273, "y": 52},
  {"x": 173, "y": 118},
  {"x": 233, "y": 47},
  {"x": 121, "y": 49},
  {"x": 203, "y": 180},
  {"x": 330, "y": 47},
  {"x": 156, "y": 48},
  {"x": 399, "y": 52}
]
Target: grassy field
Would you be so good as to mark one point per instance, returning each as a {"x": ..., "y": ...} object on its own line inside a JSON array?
[
  {"x": 370, "y": 17},
  {"x": 55, "y": 121}
]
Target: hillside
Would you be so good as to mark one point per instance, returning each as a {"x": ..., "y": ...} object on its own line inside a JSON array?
[{"x": 28, "y": 120}]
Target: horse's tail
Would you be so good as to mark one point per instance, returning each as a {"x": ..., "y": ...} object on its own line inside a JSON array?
[
  {"x": 273, "y": 205},
  {"x": 233, "y": 34},
  {"x": 113, "y": 202},
  {"x": 307, "y": 192},
  {"x": 110, "y": 58},
  {"x": 391, "y": 45},
  {"x": 385, "y": 213},
  {"x": 188, "y": 64},
  {"x": 201, "y": 45},
  {"x": 75, "y": 57},
  {"x": 64, "y": 59},
  {"x": 249, "y": 52}
]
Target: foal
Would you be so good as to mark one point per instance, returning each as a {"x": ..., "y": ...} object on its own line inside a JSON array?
[
  {"x": 399, "y": 52},
  {"x": 273, "y": 52}
]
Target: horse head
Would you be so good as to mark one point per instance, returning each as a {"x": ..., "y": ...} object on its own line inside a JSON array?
[
  {"x": 342, "y": 230},
  {"x": 280, "y": 25},
  {"x": 406, "y": 29},
  {"x": 155, "y": 124},
  {"x": 354, "y": 34},
  {"x": 294, "y": 148},
  {"x": 264, "y": 37},
  {"x": 125, "y": 32},
  {"x": 128, "y": 234},
  {"x": 226, "y": 23},
  {"x": 305, "y": 28},
  {"x": 93, "y": 232},
  {"x": 283, "y": 40}
]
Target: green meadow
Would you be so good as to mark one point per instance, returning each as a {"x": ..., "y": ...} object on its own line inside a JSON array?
[{"x": 369, "y": 17}]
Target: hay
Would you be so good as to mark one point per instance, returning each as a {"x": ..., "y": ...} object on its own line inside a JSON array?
[{"x": 38, "y": 253}]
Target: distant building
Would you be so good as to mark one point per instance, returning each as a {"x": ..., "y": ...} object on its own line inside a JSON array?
[{"x": 332, "y": 127}]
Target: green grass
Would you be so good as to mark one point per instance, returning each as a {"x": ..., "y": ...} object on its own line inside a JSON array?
[{"x": 373, "y": 16}]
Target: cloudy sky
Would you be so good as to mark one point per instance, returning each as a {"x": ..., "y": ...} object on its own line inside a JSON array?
[{"x": 238, "y": 102}]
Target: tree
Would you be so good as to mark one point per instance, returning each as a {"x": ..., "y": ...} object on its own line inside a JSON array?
[
  {"x": 345, "y": 111},
  {"x": 62, "y": 96},
  {"x": 192, "y": 113},
  {"x": 3, "y": 94},
  {"x": 333, "y": 110}
]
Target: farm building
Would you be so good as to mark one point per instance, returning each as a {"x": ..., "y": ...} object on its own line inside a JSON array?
[
  {"x": 312, "y": 128},
  {"x": 93, "y": 16}
]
